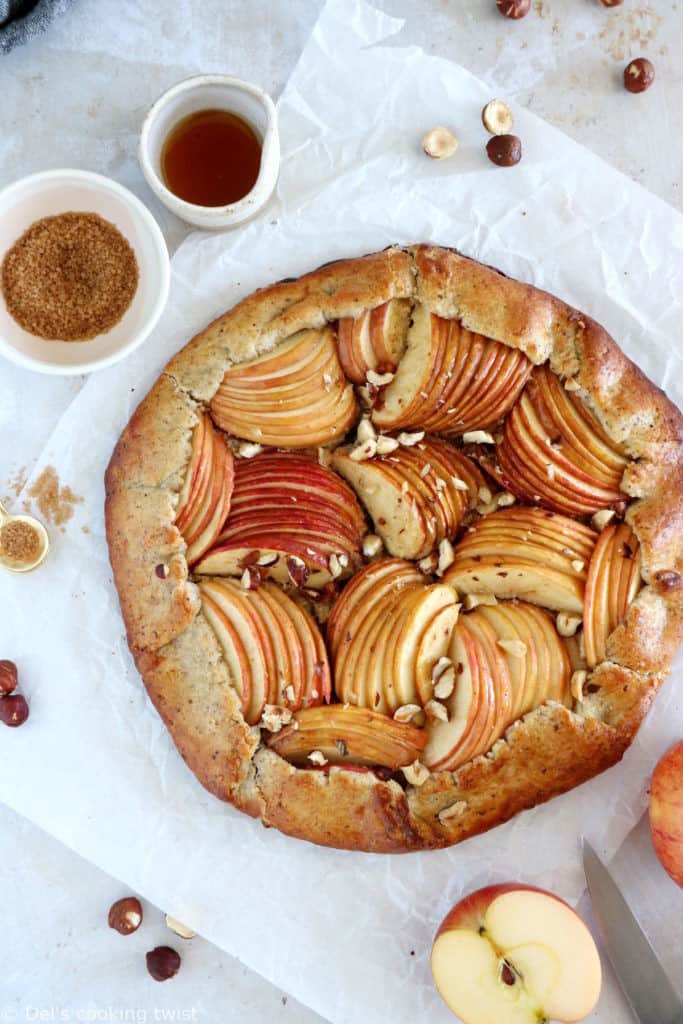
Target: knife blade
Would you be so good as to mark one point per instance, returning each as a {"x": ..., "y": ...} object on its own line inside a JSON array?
[{"x": 641, "y": 976}]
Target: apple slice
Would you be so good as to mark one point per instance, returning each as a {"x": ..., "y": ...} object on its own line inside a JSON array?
[
  {"x": 416, "y": 496},
  {"x": 205, "y": 497},
  {"x": 450, "y": 380},
  {"x": 525, "y": 553},
  {"x": 375, "y": 340},
  {"x": 614, "y": 579},
  {"x": 295, "y": 396},
  {"x": 554, "y": 452},
  {"x": 512, "y": 954},
  {"x": 272, "y": 647},
  {"x": 285, "y": 506},
  {"x": 471, "y": 708},
  {"x": 433, "y": 646},
  {"x": 348, "y": 735}
]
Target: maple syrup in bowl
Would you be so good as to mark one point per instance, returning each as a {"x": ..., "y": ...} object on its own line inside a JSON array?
[
  {"x": 209, "y": 149},
  {"x": 211, "y": 158}
]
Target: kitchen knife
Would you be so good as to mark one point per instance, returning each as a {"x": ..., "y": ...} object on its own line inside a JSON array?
[{"x": 642, "y": 977}]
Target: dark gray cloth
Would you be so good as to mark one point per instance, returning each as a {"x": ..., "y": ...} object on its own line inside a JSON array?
[{"x": 20, "y": 20}]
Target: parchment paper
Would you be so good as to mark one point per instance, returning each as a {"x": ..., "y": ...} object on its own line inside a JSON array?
[{"x": 348, "y": 934}]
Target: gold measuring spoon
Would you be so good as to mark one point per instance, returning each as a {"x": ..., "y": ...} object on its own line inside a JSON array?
[{"x": 14, "y": 564}]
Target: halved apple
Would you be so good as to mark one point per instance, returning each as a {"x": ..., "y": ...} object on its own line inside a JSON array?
[
  {"x": 555, "y": 453},
  {"x": 343, "y": 734},
  {"x": 526, "y": 553},
  {"x": 272, "y": 647},
  {"x": 416, "y": 496},
  {"x": 614, "y": 579},
  {"x": 375, "y": 340},
  {"x": 512, "y": 954},
  {"x": 205, "y": 497},
  {"x": 450, "y": 380},
  {"x": 286, "y": 507},
  {"x": 295, "y": 396}
]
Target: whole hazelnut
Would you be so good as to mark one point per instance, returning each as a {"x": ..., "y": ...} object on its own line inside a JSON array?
[
  {"x": 639, "y": 75},
  {"x": 8, "y": 677},
  {"x": 163, "y": 963},
  {"x": 514, "y": 8},
  {"x": 13, "y": 710},
  {"x": 504, "y": 150},
  {"x": 125, "y": 916},
  {"x": 611, "y": 3}
]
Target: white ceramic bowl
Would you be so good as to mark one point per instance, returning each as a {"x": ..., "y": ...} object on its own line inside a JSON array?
[
  {"x": 212, "y": 92},
  {"x": 59, "y": 191}
]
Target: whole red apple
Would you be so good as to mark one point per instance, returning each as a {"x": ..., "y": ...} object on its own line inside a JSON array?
[
  {"x": 514, "y": 954},
  {"x": 666, "y": 811}
]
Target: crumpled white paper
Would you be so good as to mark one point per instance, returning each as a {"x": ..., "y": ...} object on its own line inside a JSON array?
[{"x": 347, "y": 934}]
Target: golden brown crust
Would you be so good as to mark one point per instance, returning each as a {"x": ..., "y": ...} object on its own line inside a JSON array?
[{"x": 548, "y": 752}]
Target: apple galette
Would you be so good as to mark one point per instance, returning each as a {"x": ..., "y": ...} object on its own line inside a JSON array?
[{"x": 398, "y": 546}]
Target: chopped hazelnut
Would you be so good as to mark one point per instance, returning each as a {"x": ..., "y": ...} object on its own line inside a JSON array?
[
  {"x": 601, "y": 519},
  {"x": 363, "y": 452},
  {"x": 248, "y": 449},
  {"x": 453, "y": 811},
  {"x": 407, "y": 712},
  {"x": 416, "y": 774},
  {"x": 275, "y": 717},
  {"x": 365, "y": 431},
  {"x": 497, "y": 117},
  {"x": 181, "y": 930},
  {"x": 410, "y": 439},
  {"x": 317, "y": 757},
  {"x": 446, "y": 557},
  {"x": 477, "y": 437},
  {"x": 386, "y": 445},
  {"x": 567, "y": 624},
  {"x": 379, "y": 380},
  {"x": 439, "y": 143},
  {"x": 372, "y": 545},
  {"x": 435, "y": 709}
]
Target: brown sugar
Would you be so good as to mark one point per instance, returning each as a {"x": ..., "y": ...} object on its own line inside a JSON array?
[
  {"x": 69, "y": 277},
  {"x": 19, "y": 542},
  {"x": 56, "y": 503}
]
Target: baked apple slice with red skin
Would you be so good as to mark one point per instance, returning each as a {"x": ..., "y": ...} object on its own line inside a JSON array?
[
  {"x": 205, "y": 497},
  {"x": 417, "y": 495},
  {"x": 375, "y": 340},
  {"x": 554, "y": 452},
  {"x": 525, "y": 553},
  {"x": 450, "y": 380},
  {"x": 272, "y": 646},
  {"x": 285, "y": 506},
  {"x": 343, "y": 734},
  {"x": 614, "y": 579},
  {"x": 295, "y": 396}
]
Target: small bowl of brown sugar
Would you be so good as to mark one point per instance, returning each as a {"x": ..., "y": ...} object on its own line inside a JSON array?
[{"x": 84, "y": 272}]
